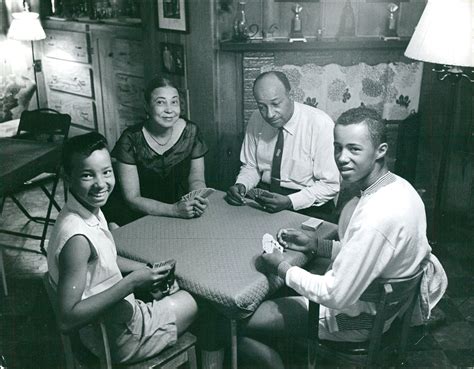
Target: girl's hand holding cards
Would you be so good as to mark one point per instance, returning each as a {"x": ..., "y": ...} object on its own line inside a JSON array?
[{"x": 167, "y": 285}]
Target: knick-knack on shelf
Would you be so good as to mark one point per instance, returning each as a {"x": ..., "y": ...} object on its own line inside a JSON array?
[{"x": 347, "y": 25}]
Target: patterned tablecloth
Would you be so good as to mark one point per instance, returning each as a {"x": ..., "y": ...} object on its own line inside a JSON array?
[{"x": 217, "y": 254}]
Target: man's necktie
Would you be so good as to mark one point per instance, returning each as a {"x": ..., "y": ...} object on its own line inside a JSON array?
[{"x": 276, "y": 163}]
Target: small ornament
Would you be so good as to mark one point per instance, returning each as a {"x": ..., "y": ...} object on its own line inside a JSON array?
[
  {"x": 392, "y": 20},
  {"x": 243, "y": 32},
  {"x": 347, "y": 25},
  {"x": 296, "y": 33}
]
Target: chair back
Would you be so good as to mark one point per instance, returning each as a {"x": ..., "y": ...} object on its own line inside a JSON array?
[
  {"x": 395, "y": 297},
  {"x": 44, "y": 124},
  {"x": 75, "y": 353},
  {"x": 182, "y": 354}
]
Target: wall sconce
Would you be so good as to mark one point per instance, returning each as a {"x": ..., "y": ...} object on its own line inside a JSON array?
[{"x": 26, "y": 26}]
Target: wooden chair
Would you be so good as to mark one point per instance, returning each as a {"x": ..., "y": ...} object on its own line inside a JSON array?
[
  {"x": 41, "y": 125},
  {"x": 78, "y": 357},
  {"x": 392, "y": 297}
]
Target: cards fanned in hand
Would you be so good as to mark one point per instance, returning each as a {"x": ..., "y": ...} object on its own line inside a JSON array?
[
  {"x": 255, "y": 193},
  {"x": 202, "y": 192},
  {"x": 269, "y": 244}
]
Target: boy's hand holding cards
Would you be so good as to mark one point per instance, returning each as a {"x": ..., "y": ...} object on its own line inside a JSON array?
[{"x": 270, "y": 245}]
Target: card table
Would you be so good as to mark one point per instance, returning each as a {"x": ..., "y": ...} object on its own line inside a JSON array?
[{"x": 217, "y": 254}]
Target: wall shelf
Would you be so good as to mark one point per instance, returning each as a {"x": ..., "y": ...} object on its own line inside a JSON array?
[{"x": 357, "y": 43}]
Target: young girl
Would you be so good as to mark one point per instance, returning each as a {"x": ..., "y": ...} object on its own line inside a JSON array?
[{"x": 87, "y": 273}]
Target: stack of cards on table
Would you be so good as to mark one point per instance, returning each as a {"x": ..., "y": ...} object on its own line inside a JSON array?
[
  {"x": 270, "y": 244},
  {"x": 311, "y": 224},
  {"x": 256, "y": 193},
  {"x": 202, "y": 192}
]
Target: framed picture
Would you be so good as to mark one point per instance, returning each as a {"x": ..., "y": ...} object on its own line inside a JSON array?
[
  {"x": 172, "y": 15},
  {"x": 184, "y": 103},
  {"x": 172, "y": 58}
]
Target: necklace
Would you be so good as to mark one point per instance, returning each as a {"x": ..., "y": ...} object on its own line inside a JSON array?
[{"x": 159, "y": 143}]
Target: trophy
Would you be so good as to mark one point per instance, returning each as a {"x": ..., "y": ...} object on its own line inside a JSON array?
[
  {"x": 391, "y": 28},
  {"x": 296, "y": 33}
]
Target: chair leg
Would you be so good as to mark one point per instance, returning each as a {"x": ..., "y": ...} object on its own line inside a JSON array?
[
  {"x": 233, "y": 335},
  {"x": 2, "y": 270},
  {"x": 48, "y": 218},
  {"x": 313, "y": 334},
  {"x": 50, "y": 196},
  {"x": 23, "y": 209},
  {"x": 192, "y": 363}
]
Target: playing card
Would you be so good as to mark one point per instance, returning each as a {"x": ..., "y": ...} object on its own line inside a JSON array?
[
  {"x": 269, "y": 244},
  {"x": 202, "y": 192},
  {"x": 255, "y": 193},
  {"x": 160, "y": 264},
  {"x": 206, "y": 192}
]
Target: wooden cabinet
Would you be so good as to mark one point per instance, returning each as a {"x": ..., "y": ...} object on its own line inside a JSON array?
[{"x": 94, "y": 72}]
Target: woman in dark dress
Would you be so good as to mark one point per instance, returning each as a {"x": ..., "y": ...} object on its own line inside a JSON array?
[{"x": 158, "y": 162}]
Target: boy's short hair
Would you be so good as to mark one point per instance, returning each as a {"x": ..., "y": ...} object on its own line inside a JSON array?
[
  {"x": 83, "y": 145},
  {"x": 362, "y": 114}
]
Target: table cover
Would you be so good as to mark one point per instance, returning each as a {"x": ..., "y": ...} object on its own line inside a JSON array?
[{"x": 217, "y": 254}]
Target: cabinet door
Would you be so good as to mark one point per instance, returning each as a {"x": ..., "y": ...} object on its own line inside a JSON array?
[
  {"x": 69, "y": 74},
  {"x": 119, "y": 55}
]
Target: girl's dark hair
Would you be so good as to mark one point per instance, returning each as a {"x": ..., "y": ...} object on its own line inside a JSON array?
[
  {"x": 155, "y": 83},
  {"x": 362, "y": 114},
  {"x": 83, "y": 145}
]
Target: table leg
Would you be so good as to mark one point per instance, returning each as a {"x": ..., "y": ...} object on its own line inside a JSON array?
[{"x": 233, "y": 334}]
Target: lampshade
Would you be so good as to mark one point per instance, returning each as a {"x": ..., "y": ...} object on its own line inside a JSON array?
[
  {"x": 444, "y": 34},
  {"x": 26, "y": 26}
]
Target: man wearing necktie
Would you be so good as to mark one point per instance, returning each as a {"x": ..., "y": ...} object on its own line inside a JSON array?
[{"x": 288, "y": 151}]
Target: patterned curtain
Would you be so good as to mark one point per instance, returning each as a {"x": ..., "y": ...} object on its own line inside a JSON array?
[{"x": 392, "y": 89}]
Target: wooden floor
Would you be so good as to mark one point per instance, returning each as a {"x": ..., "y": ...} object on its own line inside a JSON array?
[{"x": 28, "y": 337}]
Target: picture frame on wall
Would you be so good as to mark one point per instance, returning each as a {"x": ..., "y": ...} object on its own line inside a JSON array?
[
  {"x": 184, "y": 103},
  {"x": 172, "y": 58},
  {"x": 172, "y": 15}
]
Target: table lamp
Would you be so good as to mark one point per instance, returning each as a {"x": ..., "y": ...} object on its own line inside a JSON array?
[
  {"x": 444, "y": 36},
  {"x": 26, "y": 26}
]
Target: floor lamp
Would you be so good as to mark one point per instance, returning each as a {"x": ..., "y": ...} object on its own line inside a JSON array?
[
  {"x": 26, "y": 26},
  {"x": 444, "y": 36}
]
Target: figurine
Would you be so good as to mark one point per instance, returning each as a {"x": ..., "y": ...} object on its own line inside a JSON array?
[
  {"x": 391, "y": 29},
  {"x": 296, "y": 33}
]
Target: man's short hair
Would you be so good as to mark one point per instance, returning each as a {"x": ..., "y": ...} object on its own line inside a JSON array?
[
  {"x": 83, "y": 145},
  {"x": 279, "y": 75},
  {"x": 362, "y": 114},
  {"x": 155, "y": 83}
]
